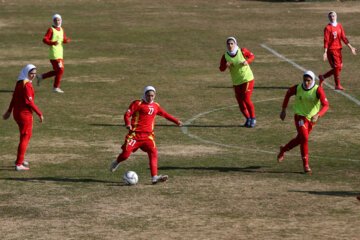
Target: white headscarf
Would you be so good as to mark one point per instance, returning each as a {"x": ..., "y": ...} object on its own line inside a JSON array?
[
  {"x": 25, "y": 72},
  {"x": 232, "y": 53},
  {"x": 148, "y": 88},
  {"x": 56, "y": 16},
  {"x": 312, "y": 75},
  {"x": 335, "y": 22}
]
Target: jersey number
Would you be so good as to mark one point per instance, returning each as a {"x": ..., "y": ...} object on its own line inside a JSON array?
[
  {"x": 335, "y": 35},
  {"x": 132, "y": 142},
  {"x": 151, "y": 111}
]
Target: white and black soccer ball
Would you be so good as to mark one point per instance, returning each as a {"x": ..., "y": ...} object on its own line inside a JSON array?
[{"x": 131, "y": 178}]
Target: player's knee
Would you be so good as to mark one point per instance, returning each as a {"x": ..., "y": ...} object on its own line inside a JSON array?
[{"x": 124, "y": 155}]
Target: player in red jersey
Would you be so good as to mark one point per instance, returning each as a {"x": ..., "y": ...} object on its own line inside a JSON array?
[
  {"x": 308, "y": 98},
  {"x": 237, "y": 60},
  {"x": 333, "y": 35},
  {"x": 22, "y": 105},
  {"x": 141, "y": 131},
  {"x": 55, "y": 37}
]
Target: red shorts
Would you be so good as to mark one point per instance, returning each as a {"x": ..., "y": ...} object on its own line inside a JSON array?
[
  {"x": 303, "y": 125},
  {"x": 134, "y": 141},
  {"x": 57, "y": 64},
  {"x": 335, "y": 58},
  {"x": 25, "y": 122},
  {"x": 244, "y": 88}
]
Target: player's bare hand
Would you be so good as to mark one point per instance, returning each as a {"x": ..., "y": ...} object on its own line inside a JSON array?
[
  {"x": 283, "y": 115},
  {"x": 6, "y": 115},
  {"x": 179, "y": 124},
  {"x": 228, "y": 64},
  {"x": 314, "y": 118},
  {"x": 41, "y": 118},
  {"x": 325, "y": 56},
  {"x": 353, "y": 50},
  {"x": 129, "y": 127},
  {"x": 245, "y": 63}
]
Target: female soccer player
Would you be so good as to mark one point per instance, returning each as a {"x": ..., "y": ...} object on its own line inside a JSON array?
[
  {"x": 237, "y": 60},
  {"x": 333, "y": 34},
  {"x": 22, "y": 105},
  {"x": 308, "y": 97},
  {"x": 55, "y": 37},
  {"x": 141, "y": 131}
]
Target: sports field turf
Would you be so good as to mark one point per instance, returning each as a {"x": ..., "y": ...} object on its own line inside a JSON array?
[{"x": 224, "y": 183}]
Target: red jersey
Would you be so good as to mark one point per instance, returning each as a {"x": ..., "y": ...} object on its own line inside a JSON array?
[
  {"x": 48, "y": 36},
  {"x": 333, "y": 36},
  {"x": 143, "y": 116},
  {"x": 246, "y": 53},
  {"x": 319, "y": 93},
  {"x": 22, "y": 101}
]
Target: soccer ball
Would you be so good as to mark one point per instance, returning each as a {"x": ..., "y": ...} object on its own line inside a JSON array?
[{"x": 131, "y": 178}]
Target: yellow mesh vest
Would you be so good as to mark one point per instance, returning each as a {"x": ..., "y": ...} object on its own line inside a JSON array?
[
  {"x": 306, "y": 104},
  {"x": 56, "y": 52},
  {"x": 239, "y": 73}
]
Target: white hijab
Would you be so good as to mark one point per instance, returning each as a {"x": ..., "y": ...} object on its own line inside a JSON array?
[
  {"x": 25, "y": 72},
  {"x": 312, "y": 75},
  {"x": 56, "y": 16},
  {"x": 148, "y": 88},
  {"x": 330, "y": 22},
  {"x": 232, "y": 53}
]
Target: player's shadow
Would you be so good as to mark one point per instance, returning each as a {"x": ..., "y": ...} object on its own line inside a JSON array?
[
  {"x": 123, "y": 125},
  {"x": 330, "y": 193},
  {"x": 170, "y": 125},
  {"x": 6, "y": 91},
  {"x": 248, "y": 169},
  {"x": 281, "y": 0},
  {"x": 57, "y": 179},
  {"x": 220, "y": 169},
  {"x": 257, "y": 87},
  {"x": 7, "y": 168}
]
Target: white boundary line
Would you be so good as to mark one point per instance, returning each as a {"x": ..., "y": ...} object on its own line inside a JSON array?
[
  {"x": 303, "y": 69},
  {"x": 185, "y": 130},
  {"x": 188, "y": 122}
]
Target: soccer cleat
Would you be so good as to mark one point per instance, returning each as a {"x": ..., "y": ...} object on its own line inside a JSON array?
[
  {"x": 339, "y": 87},
  {"x": 358, "y": 198},
  {"x": 21, "y": 168},
  {"x": 322, "y": 79},
  {"x": 253, "y": 122},
  {"x": 159, "y": 178},
  {"x": 281, "y": 154},
  {"x": 39, "y": 79},
  {"x": 57, "y": 90},
  {"x": 25, "y": 163},
  {"x": 307, "y": 170},
  {"x": 248, "y": 122},
  {"x": 114, "y": 166}
]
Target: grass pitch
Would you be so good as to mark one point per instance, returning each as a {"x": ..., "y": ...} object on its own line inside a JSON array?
[{"x": 214, "y": 192}]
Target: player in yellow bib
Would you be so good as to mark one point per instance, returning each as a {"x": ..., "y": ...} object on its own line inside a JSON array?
[
  {"x": 309, "y": 98},
  {"x": 237, "y": 60},
  {"x": 55, "y": 38}
]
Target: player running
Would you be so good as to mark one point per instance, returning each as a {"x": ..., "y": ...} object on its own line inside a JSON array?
[
  {"x": 55, "y": 38},
  {"x": 333, "y": 35},
  {"x": 141, "y": 131},
  {"x": 22, "y": 105},
  {"x": 308, "y": 97},
  {"x": 237, "y": 60}
]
